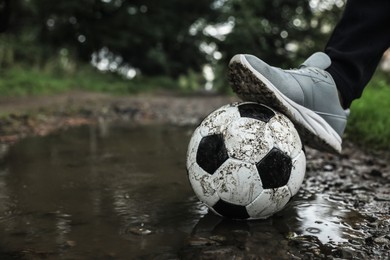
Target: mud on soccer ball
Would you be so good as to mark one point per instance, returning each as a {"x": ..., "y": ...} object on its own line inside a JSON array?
[{"x": 245, "y": 161}]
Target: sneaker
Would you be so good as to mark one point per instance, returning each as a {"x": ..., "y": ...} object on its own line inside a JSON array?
[{"x": 307, "y": 95}]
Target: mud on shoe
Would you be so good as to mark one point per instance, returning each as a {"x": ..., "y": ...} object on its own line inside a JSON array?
[{"x": 307, "y": 95}]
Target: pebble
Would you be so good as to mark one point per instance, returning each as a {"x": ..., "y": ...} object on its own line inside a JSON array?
[
  {"x": 328, "y": 167},
  {"x": 382, "y": 240},
  {"x": 140, "y": 231},
  {"x": 363, "y": 197},
  {"x": 70, "y": 243},
  {"x": 382, "y": 197}
]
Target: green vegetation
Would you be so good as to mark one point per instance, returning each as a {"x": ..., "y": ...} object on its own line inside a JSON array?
[
  {"x": 369, "y": 122},
  {"x": 19, "y": 81}
]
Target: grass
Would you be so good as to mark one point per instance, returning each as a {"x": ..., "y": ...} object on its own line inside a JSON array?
[
  {"x": 19, "y": 81},
  {"x": 369, "y": 122}
]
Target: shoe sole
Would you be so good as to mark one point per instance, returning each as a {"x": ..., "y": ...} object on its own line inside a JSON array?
[{"x": 250, "y": 85}]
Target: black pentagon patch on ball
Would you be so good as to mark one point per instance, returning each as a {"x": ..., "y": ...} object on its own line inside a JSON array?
[
  {"x": 256, "y": 111},
  {"x": 274, "y": 169},
  {"x": 211, "y": 153},
  {"x": 231, "y": 210}
]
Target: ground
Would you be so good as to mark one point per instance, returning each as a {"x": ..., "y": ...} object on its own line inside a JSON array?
[
  {"x": 359, "y": 179},
  {"x": 41, "y": 115}
]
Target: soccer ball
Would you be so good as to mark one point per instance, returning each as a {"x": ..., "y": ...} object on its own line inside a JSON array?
[{"x": 245, "y": 161}]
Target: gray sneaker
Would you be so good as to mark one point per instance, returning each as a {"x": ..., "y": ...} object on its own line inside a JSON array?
[{"x": 307, "y": 95}]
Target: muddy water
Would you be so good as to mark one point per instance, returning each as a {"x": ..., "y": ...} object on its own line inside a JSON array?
[{"x": 122, "y": 192}]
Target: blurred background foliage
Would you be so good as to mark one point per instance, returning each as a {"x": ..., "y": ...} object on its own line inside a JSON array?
[{"x": 188, "y": 42}]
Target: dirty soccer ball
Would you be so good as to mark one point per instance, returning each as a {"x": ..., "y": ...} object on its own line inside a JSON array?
[{"x": 245, "y": 161}]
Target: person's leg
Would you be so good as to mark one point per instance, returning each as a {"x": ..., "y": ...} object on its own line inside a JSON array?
[
  {"x": 4, "y": 15},
  {"x": 357, "y": 45},
  {"x": 309, "y": 95}
]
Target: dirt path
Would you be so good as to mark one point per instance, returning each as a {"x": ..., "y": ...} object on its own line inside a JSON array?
[{"x": 26, "y": 116}]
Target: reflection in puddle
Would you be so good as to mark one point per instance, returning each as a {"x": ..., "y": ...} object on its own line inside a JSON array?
[
  {"x": 329, "y": 221},
  {"x": 122, "y": 192}
]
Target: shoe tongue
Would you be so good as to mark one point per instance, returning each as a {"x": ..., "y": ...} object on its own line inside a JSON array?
[{"x": 319, "y": 60}]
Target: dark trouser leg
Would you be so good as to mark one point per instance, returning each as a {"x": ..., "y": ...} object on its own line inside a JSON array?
[
  {"x": 4, "y": 15},
  {"x": 357, "y": 45}
]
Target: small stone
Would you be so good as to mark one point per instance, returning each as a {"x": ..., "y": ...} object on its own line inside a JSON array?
[
  {"x": 382, "y": 197},
  {"x": 328, "y": 167},
  {"x": 363, "y": 197},
  {"x": 218, "y": 238},
  {"x": 140, "y": 231},
  {"x": 70, "y": 243},
  {"x": 381, "y": 240}
]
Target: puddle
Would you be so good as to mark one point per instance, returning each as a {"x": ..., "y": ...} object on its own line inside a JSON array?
[
  {"x": 328, "y": 221},
  {"x": 122, "y": 192}
]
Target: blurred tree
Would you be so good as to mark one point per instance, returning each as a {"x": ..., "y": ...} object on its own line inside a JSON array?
[
  {"x": 282, "y": 32},
  {"x": 150, "y": 35},
  {"x": 169, "y": 37}
]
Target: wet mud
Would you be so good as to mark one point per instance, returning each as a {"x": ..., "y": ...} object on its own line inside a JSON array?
[
  {"x": 120, "y": 191},
  {"x": 116, "y": 188}
]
